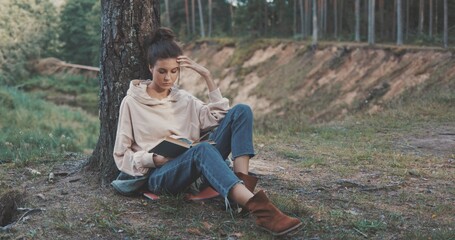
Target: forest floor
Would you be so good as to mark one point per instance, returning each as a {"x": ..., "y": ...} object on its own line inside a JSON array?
[
  {"x": 388, "y": 173},
  {"x": 371, "y": 201}
]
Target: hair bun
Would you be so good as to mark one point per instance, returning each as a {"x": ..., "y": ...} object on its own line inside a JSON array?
[{"x": 163, "y": 34}]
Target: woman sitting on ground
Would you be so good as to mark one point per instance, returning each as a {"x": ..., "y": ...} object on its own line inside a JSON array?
[{"x": 155, "y": 109}]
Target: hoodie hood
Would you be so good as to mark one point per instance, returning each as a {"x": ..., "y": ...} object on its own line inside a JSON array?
[{"x": 138, "y": 91}]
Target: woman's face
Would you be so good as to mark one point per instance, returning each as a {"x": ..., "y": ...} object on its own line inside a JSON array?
[{"x": 165, "y": 73}]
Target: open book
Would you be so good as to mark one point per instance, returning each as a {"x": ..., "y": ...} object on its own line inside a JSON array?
[{"x": 172, "y": 147}]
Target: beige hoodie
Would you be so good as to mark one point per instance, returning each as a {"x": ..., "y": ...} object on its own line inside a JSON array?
[{"x": 144, "y": 121}]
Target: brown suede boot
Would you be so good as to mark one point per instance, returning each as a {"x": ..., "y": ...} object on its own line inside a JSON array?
[
  {"x": 249, "y": 181},
  {"x": 270, "y": 218}
]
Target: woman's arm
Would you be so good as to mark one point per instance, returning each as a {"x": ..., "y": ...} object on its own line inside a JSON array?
[
  {"x": 134, "y": 163},
  {"x": 185, "y": 61}
]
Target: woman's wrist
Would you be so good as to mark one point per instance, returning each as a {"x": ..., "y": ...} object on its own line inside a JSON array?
[
  {"x": 207, "y": 76},
  {"x": 210, "y": 83},
  {"x": 153, "y": 158}
]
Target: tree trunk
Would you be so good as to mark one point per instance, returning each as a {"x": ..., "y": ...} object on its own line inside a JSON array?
[
  {"x": 302, "y": 19},
  {"x": 399, "y": 24},
  {"x": 187, "y": 17},
  {"x": 231, "y": 11},
  {"x": 201, "y": 18},
  {"x": 294, "y": 19},
  {"x": 321, "y": 18},
  {"x": 335, "y": 19},
  {"x": 315, "y": 23},
  {"x": 421, "y": 15},
  {"x": 371, "y": 29},
  {"x": 324, "y": 3},
  {"x": 394, "y": 21},
  {"x": 168, "y": 14},
  {"x": 381, "y": 20},
  {"x": 407, "y": 19},
  {"x": 125, "y": 25},
  {"x": 365, "y": 12},
  {"x": 446, "y": 24},
  {"x": 436, "y": 18},
  {"x": 193, "y": 17},
  {"x": 340, "y": 17},
  {"x": 357, "y": 20},
  {"x": 210, "y": 19},
  {"x": 430, "y": 20},
  {"x": 265, "y": 20},
  {"x": 307, "y": 18}
]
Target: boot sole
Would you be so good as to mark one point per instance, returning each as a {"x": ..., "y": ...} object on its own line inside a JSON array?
[{"x": 285, "y": 231}]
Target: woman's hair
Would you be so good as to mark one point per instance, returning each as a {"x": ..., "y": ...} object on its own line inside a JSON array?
[{"x": 162, "y": 45}]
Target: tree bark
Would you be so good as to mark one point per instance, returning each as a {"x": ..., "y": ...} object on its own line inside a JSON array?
[{"x": 125, "y": 25}]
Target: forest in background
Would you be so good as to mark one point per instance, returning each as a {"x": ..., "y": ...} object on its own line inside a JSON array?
[
  {"x": 387, "y": 175},
  {"x": 422, "y": 21},
  {"x": 70, "y": 30}
]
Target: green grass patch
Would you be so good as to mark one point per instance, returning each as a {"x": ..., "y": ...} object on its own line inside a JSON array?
[
  {"x": 370, "y": 226},
  {"x": 67, "y": 89},
  {"x": 33, "y": 129}
]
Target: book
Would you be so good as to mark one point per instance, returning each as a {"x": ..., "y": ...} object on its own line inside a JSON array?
[
  {"x": 150, "y": 195},
  {"x": 172, "y": 147}
]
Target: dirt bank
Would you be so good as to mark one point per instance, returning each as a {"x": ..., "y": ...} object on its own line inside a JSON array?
[{"x": 325, "y": 83}]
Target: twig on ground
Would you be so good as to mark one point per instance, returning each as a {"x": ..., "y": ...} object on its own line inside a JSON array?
[{"x": 363, "y": 234}]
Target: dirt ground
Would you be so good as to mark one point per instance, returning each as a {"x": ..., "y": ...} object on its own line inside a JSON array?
[{"x": 72, "y": 205}]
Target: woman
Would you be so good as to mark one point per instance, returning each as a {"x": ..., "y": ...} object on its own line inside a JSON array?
[{"x": 154, "y": 109}]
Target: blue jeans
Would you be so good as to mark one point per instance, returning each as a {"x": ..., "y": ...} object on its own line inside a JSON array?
[{"x": 234, "y": 134}]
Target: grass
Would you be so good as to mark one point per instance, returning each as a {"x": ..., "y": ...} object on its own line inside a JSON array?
[
  {"x": 34, "y": 130},
  {"x": 363, "y": 146},
  {"x": 402, "y": 192},
  {"x": 73, "y": 90}
]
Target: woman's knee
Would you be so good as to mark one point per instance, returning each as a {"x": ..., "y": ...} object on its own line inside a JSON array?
[
  {"x": 244, "y": 109},
  {"x": 205, "y": 151},
  {"x": 203, "y": 148}
]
